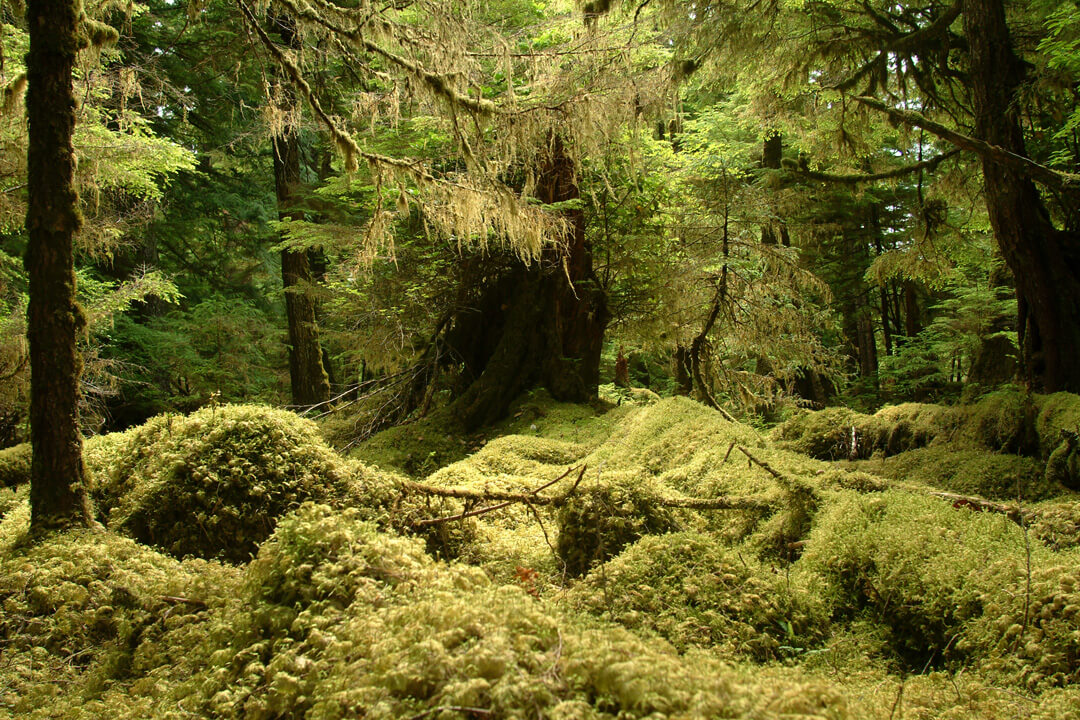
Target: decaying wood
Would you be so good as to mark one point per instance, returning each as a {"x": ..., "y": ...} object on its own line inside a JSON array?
[{"x": 1013, "y": 512}]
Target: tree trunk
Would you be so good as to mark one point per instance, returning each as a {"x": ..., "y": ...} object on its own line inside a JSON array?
[
  {"x": 54, "y": 319},
  {"x": 1044, "y": 260},
  {"x": 307, "y": 375},
  {"x": 537, "y": 325},
  {"x": 308, "y": 378}
]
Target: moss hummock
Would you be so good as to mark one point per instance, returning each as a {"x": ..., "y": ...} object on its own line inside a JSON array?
[{"x": 214, "y": 483}]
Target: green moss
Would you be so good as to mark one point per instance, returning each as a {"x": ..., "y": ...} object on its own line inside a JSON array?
[
  {"x": 917, "y": 566},
  {"x": 84, "y": 610},
  {"x": 1057, "y": 412},
  {"x": 418, "y": 449},
  {"x": 338, "y": 619},
  {"x": 967, "y": 472},
  {"x": 213, "y": 484},
  {"x": 1057, "y": 524},
  {"x": 604, "y": 518},
  {"x": 15, "y": 465},
  {"x": 829, "y": 434},
  {"x": 1002, "y": 421},
  {"x": 1027, "y": 631},
  {"x": 1063, "y": 465},
  {"x": 694, "y": 591}
]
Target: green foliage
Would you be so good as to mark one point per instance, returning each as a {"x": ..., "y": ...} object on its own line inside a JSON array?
[{"x": 693, "y": 591}]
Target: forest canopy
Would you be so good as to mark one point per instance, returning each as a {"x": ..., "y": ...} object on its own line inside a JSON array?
[{"x": 734, "y": 334}]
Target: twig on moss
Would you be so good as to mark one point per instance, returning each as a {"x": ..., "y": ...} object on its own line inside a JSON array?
[
  {"x": 1010, "y": 511},
  {"x": 532, "y": 497},
  {"x": 175, "y": 600},
  {"x": 789, "y": 482},
  {"x": 718, "y": 503},
  {"x": 483, "y": 712}
]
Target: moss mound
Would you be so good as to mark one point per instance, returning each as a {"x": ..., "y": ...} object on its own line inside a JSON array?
[
  {"x": 1057, "y": 524},
  {"x": 604, "y": 518},
  {"x": 340, "y": 620},
  {"x": 1003, "y": 421},
  {"x": 694, "y": 591},
  {"x": 918, "y": 567},
  {"x": 1028, "y": 630},
  {"x": 90, "y": 609},
  {"x": 968, "y": 472},
  {"x": 214, "y": 483},
  {"x": 15, "y": 465},
  {"x": 1057, "y": 412}
]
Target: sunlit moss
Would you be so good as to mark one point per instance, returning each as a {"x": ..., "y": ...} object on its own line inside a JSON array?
[
  {"x": 214, "y": 483},
  {"x": 694, "y": 591}
]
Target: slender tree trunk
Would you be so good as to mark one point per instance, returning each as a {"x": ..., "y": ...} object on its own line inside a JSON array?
[
  {"x": 1044, "y": 260},
  {"x": 912, "y": 324},
  {"x": 309, "y": 381},
  {"x": 54, "y": 319}
]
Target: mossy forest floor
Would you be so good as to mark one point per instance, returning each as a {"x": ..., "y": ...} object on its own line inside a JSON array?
[{"x": 923, "y": 562}]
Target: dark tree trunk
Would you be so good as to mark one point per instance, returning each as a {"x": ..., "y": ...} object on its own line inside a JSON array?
[
  {"x": 912, "y": 323},
  {"x": 774, "y": 230},
  {"x": 537, "y": 325},
  {"x": 54, "y": 319},
  {"x": 684, "y": 383},
  {"x": 1044, "y": 260},
  {"x": 308, "y": 378}
]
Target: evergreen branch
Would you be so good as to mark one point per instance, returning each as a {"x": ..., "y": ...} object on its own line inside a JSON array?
[
  {"x": 1061, "y": 181},
  {"x": 853, "y": 178},
  {"x": 437, "y": 82},
  {"x": 342, "y": 139}
]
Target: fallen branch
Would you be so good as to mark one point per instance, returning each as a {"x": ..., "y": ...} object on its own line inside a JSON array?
[
  {"x": 183, "y": 601},
  {"x": 789, "y": 482},
  {"x": 466, "y": 494},
  {"x": 719, "y": 503},
  {"x": 531, "y": 498},
  {"x": 958, "y": 501}
]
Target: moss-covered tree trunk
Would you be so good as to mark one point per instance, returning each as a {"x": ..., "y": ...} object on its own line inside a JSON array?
[
  {"x": 308, "y": 379},
  {"x": 1044, "y": 260},
  {"x": 541, "y": 324},
  {"x": 54, "y": 320}
]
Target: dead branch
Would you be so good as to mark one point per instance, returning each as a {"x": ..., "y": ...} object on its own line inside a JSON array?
[
  {"x": 531, "y": 498},
  {"x": 719, "y": 503},
  {"x": 1012, "y": 512},
  {"x": 789, "y": 482}
]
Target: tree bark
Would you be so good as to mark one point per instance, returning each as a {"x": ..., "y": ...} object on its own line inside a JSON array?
[
  {"x": 1044, "y": 260},
  {"x": 308, "y": 379},
  {"x": 537, "y": 325},
  {"x": 54, "y": 319}
]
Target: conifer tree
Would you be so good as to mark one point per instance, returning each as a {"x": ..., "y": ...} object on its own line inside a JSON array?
[{"x": 57, "y": 491}]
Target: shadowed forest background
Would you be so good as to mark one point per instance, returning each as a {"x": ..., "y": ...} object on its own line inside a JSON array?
[{"x": 540, "y": 358}]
